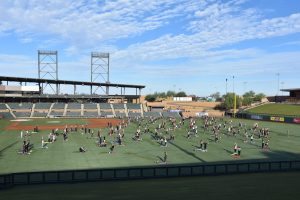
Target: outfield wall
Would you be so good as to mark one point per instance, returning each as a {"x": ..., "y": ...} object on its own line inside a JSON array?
[
  {"x": 271, "y": 118},
  {"x": 159, "y": 171}
]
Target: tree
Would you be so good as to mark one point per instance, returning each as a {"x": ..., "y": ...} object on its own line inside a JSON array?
[
  {"x": 259, "y": 97},
  {"x": 150, "y": 98},
  {"x": 247, "y": 101},
  {"x": 229, "y": 101},
  {"x": 249, "y": 94},
  {"x": 181, "y": 94},
  {"x": 171, "y": 93},
  {"x": 216, "y": 96}
]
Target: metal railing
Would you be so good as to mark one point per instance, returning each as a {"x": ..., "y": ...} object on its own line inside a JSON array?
[{"x": 10, "y": 180}]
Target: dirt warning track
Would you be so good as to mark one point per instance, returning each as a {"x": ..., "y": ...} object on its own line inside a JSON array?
[{"x": 91, "y": 123}]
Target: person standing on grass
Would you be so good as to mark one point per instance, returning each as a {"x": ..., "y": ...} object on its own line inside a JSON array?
[
  {"x": 111, "y": 149},
  {"x": 165, "y": 157},
  {"x": 21, "y": 134},
  {"x": 235, "y": 148}
]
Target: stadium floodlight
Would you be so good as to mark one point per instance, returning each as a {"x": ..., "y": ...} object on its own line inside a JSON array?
[
  {"x": 100, "y": 70},
  {"x": 48, "y": 67}
]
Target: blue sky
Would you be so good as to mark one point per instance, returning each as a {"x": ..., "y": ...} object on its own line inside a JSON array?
[{"x": 187, "y": 45}]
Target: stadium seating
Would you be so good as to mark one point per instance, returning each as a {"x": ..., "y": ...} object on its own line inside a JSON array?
[
  {"x": 40, "y": 114},
  {"x": 6, "y": 115},
  {"x": 57, "y": 113},
  {"x": 120, "y": 114},
  {"x": 20, "y": 106},
  {"x": 74, "y": 106},
  {"x": 42, "y": 106},
  {"x": 91, "y": 114},
  {"x": 106, "y": 114},
  {"x": 105, "y": 106},
  {"x": 73, "y": 114},
  {"x": 58, "y": 106},
  {"x": 3, "y": 106},
  {"x": 90, "y": 110},
  {"x": 22, "y": 114},
  {"x": 133, "y": 106},
  {"x": 118, "y": 106},
  {"x": 90, "y": 106}
]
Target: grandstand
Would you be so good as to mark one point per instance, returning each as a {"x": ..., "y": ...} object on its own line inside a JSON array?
[{"x": 77, "y": 110}]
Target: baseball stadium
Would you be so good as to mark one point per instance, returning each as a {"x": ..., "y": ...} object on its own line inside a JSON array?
[
  {"x": 71, "y": 138},
  {"x": 159, "y": 99}
]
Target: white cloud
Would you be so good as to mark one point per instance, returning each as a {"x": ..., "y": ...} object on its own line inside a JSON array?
[
  {"x": 83, "y": 25},
  {"x": 201, "y": 39},
  {"x": 214, "y": 27}
]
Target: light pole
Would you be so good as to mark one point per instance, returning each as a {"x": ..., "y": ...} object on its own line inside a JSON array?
[
  {"x": 233, "y": 84},
  {"x": 282, "y": 83},
  {"x": 226, "y": 85},
  {"x": 277, "y": 74},
  {"x": 234, "y": 102}
]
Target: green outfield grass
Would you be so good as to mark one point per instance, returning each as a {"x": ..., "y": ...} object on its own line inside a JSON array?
[
  {"x": 275, "y": 186},
  {"x": 277, "y": 109},
  {"x": 64, "y": 155}
]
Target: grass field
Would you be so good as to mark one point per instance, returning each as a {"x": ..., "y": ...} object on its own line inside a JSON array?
[
  {"x": 275, "y": 186},
  {"x": 277, "y": 109},
  {"x": 64, "y": 155}
]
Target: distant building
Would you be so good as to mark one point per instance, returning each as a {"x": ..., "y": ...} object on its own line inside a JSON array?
[{"x": 294, "y": 94}]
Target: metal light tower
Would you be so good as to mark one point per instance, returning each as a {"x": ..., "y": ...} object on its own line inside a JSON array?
[
  {"x": 100, "y": 70},
  {"x": 48, "y": 68}
]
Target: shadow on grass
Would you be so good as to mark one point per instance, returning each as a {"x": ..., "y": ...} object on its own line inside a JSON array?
[
  {"x": 187, "y": 152},
  {"x": 7, "y": 147},
  {"x": 160, "y": 158}
]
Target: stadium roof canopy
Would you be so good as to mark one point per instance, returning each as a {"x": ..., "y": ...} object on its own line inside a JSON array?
[
  {"x": 290, "y": 90},
  {"x": 67, "y": 82}
]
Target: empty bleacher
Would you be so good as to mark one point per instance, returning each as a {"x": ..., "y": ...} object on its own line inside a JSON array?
[
  {"x": 6, "y": 115},
  {"x": 90, "y": 106},
  {"x": 89, "y": 110},
  {"x": 91, "y": 114},
  {"x": 40, "y": 114},
  {"x": 133, "y": 106},
  {"x": 120, "y": 114},
  {"x": 3, "y": 106},
  {"x": 118, "y": 106},
  {"x": 20, "y": 106},
  {"x": 58, "y": 106},
  {"x": 73, "y": 114},
  {"x": 105, "y": 110},
  {"x": 106, "y": 114},
  {"x": 105, "y": 106},
  {"x": 74, "y": 106},
  {"x": 56, "y": 113},
  {"x": 42, "y": 106},
  {"x": 21, "y": 110},
  {"x": 22, "y": 114}
]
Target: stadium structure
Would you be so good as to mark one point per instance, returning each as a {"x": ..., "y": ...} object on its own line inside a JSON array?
[{"x": 30, "y": 99}]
